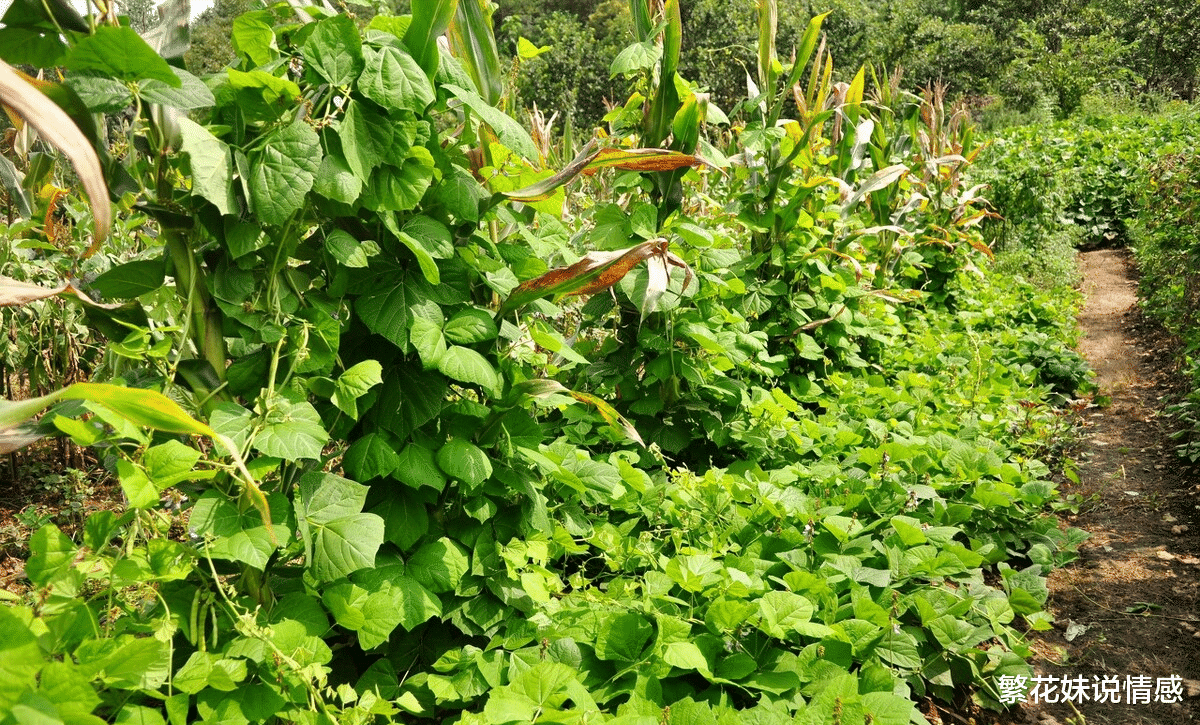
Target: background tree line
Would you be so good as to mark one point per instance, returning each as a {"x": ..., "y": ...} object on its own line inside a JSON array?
[{"x": 1015, "y": 56}]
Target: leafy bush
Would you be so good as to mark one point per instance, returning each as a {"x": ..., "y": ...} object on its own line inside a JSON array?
[{"x": 792, "y": 458}]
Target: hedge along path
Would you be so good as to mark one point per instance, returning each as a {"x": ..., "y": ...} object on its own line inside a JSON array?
[{"x": 1136, "y": 586}]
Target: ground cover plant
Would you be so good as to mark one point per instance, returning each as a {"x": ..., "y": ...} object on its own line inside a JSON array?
[{"x": 714, "y": 423}]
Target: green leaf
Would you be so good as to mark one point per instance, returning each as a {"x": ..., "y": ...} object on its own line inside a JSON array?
[
  {"x": 367, "y": 139},
  {"x": 139, "y": 490},
  {"x": 430, "y": 20},
  {"x": 348, "y": 250},
  {"x": 384, "y": 308},
  {"x": 416, "y": 467},
  {"x": 404, "y": 517},
  {"x": 465, "y": 461},
  {"x": 636, "y": 58},
  {"x": 687, "y": 656},
  {"x": 465, "y": 365},
  {"x": 240, "y": 535},
  {"x": 292, "y": 430},
  {"x": 334, "y": 49},
  {"x": 192, "y": 95},
  {"x": 337, "y": 539},
  {"x": 427, "y": 339},
  {"x": 371, "y": 456},
  {"x": 393, "y": 79},
  {"x": 781, "y": 612},
  {"x": 470, "y": 326},
  {"x": 282, "y": 171},
  {"x": 431, "y": 235},
  {"x": 327, "y": 497},
  {"x": 623, "y": 638},
  {"x": 253, "y": 37},
  {"x": 171, "y": 463},
  {"x": 211, "y": 163},
  {"x": 401, "y": 189},
  {"x": 336, "y": 181},
  {"x": 119, "y": 52},
  {"x": 131, "y": 279},
  {"x": 439, "y": 565},
  {"x": 510, "y": 133},
  {"x": 52, "y": 554},
  {"x": 460, "y": 194},
  {"x": 409, "y": 399},
  {"x": 354, "y": 383}
]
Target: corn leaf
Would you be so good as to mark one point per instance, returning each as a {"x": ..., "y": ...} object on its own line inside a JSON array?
[
  {"x": 474, "y": 44},
  {"x": 430, "y": 19},
  {"x": 57, "y": 128},
  {"x": 590, "y": 161},
  {"x": 594, "y": 272}
]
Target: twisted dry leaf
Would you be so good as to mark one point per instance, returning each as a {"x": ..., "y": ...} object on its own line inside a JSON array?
[{"x": 57, "y": 128}]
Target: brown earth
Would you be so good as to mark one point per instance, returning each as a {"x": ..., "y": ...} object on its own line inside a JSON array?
[{"x": 1131, "y": 605}]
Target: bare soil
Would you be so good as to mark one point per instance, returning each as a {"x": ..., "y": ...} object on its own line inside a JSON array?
[{"x": 1131, "y": 605}]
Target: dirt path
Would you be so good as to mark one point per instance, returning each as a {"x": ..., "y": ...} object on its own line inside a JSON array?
[{"x": 1136, "y": 587}]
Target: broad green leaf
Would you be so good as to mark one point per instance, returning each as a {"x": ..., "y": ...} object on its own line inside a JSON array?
[
  {"x": 131, "y": 279},
  {"x": 409, "y": 399},
  {"x": 373, "y": 613},
  {"x": 274, "y": 88},
  {"x": 510, "y": 133},
  {"x": 291, "y": 431},
  {"x": 401, "y": 189},
  {"x": 465, "y": 461},
  {"x": 393, "y": 79},
  {"x": 354, "y": 383},
  {"x": 171, "y": 463},
  {"x": 334, "y": 49},
  {"x": 338, "y": 540},
  {"x": 429, "y": 342},
  {"x": 103, "y": 95},
  {"x": 190, "y": 96},
  {"x": 327, "y": 497},
  {"x": 348, "y": 250},
  {"x": 470, "y": 326},
  {"x": 20, "y": 657},
  {"x": 239, "y": 534},
  {"x": 623, "y": 638},
  {"x": 439, "y": 565},
  {"x": 51, "y": 555},
  {"x": 336, "y": 181},
  {"x": 143, "y": 663},
  {"x": 636, "y": 58},
  {"x": 119, "y": 52},
  {"x": 211, "y": 163},
  {"x": 405, "y": 519},
  {"x": 432, "y": 234},
  {"x": 687, "y": 656},
  {"x": 384, "y": 308},
  {"x": 465, "y": 365},
  {"x": 460, "y": 194},
  {"x": 253, "y": 37},
  {"x": 781, "y": 612},
  {"x": 372, "y": 456},
  {"x": 367, "y": 139},
  {"x": 416, "y": 467},
  {"x": 282, "y": 172}
]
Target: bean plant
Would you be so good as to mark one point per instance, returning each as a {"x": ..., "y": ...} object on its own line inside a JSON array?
[{"x": 424, "y": 431}]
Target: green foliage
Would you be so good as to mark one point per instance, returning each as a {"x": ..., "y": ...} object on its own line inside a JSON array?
[{"x": 811, "y": 479}]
